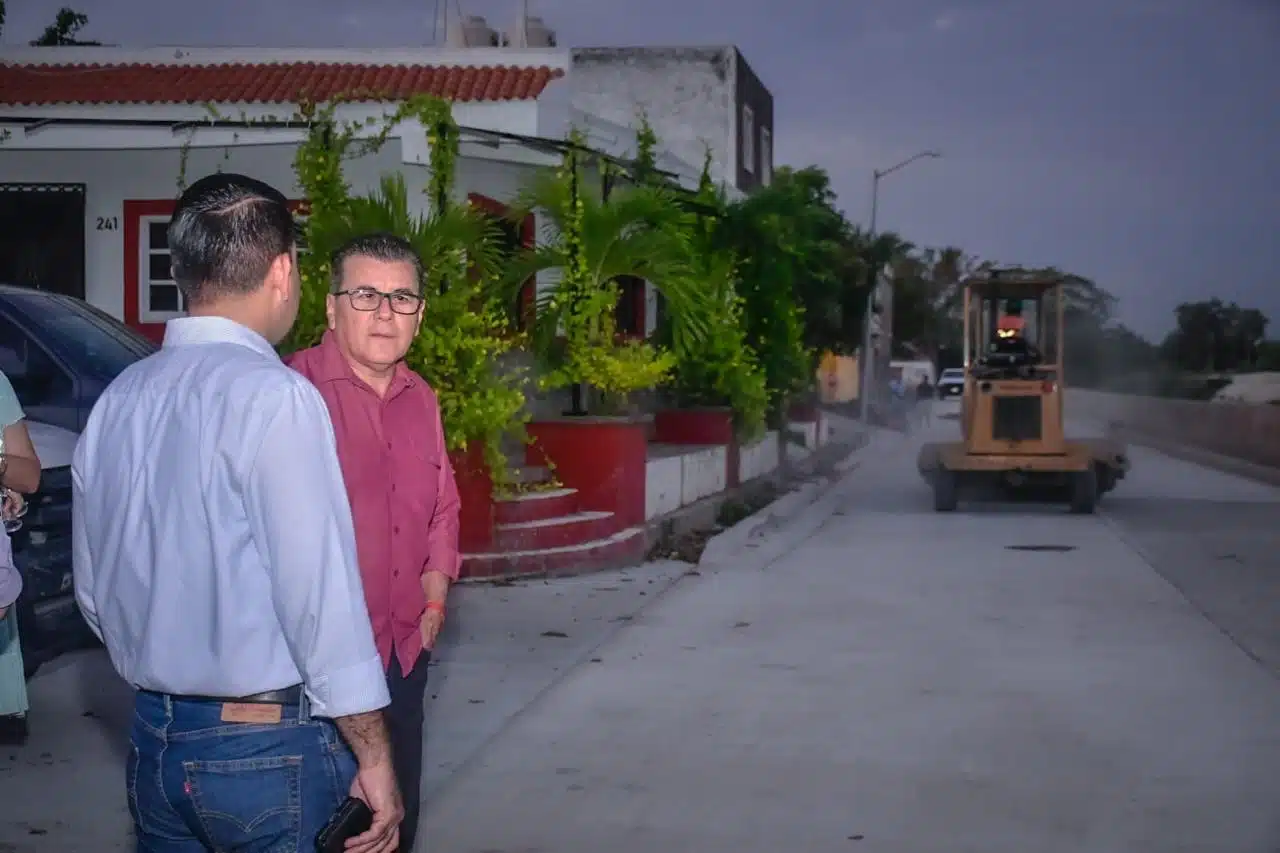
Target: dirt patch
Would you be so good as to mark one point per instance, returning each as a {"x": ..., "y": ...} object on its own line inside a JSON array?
[{"x": 688, "y": 547}]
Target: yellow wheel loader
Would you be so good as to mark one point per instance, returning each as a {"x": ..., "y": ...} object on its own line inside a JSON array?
[{"x": 1011, "y": 420}]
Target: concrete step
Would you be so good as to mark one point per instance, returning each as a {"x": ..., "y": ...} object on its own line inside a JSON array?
[
  {"x": 531, "y": 475},
  {"x": 624, "y": 548},
  {"x": 535, "y": 506},
  {"x": 556, "y": 532}
]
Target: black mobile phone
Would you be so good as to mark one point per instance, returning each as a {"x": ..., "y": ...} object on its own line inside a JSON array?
[{"x": 352, "y": 818}]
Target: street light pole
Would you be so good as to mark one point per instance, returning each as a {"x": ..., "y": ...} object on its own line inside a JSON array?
[{"x": 864, "y": 390}]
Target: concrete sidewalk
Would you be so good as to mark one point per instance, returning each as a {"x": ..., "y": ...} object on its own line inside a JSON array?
[
  {"x": 902, "y": 681},
  {"x": 502, "y": 647}
]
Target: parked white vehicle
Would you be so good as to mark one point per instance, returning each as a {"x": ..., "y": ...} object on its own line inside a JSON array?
[{"x": 949, "y": 392}]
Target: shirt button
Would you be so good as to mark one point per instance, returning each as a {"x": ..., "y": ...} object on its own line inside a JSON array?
[
  {"x": 388, "y": 445},
  {"x": 396, "y": 573},
  {"x": 393, "y": 487},
  {"x": 395, "y": 530}
]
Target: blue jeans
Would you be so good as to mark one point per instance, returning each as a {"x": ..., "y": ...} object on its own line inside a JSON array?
[{"x": 199, "y": 784}]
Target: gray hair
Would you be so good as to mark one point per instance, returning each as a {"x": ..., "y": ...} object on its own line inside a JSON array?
[{"x": 381, "y": 246}]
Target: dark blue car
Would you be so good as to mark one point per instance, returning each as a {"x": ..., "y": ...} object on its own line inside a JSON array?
[{"x": 59, "y": 353}]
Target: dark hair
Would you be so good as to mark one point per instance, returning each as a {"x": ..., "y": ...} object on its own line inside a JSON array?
[
  {"x": 381, "y": 246},
  {"x": 225, "y": 233}
]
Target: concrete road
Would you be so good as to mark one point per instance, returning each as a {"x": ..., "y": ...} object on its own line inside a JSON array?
[
  {"x": 852, "y": 674},
  {"x": 906, "y": 681}
]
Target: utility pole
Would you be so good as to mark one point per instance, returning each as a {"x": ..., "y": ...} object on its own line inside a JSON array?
[{"x": 864, "y": 385}]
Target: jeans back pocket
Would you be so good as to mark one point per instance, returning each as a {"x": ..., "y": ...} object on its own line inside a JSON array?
[{"x": 248, "y": 803}]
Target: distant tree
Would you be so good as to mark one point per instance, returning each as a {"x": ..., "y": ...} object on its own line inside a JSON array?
[
  {"x": 1, "y": 17},
  {"x": 64, "y": 29},
  {"x": 809, "y": 243},
  {"x": 1269, "y": 356},
  {"x": 1215, "y": 336},
  {"x": 928, "y": 301}
]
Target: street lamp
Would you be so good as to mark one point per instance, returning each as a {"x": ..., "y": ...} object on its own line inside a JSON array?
[{"x": 864, "y": 391}]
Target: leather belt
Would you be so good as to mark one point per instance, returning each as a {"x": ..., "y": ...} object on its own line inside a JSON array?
[{"x": 284, "y": 696}]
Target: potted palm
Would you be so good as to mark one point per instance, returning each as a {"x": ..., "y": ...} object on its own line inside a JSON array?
[{"x": 589, "y": 242}]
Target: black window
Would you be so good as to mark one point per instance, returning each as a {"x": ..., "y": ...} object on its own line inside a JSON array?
[{"x": 629, "y": 314}]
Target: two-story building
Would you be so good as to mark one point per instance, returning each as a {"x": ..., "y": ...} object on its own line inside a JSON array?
[{"x": 697, "y": 99}]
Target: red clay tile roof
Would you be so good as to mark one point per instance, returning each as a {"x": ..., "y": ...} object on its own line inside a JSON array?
[{"x": 276, "y": 83}]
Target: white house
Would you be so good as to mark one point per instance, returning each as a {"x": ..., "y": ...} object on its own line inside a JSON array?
[{"x": 93, "y": 141}]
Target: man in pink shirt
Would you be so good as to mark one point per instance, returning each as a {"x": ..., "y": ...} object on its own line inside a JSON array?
[{"x": 404, "y": 500}]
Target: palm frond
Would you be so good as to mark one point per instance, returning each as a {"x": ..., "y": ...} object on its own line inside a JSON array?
[
  {"x": 436, "y": 236},
  {"x": 638, "y": 232}
]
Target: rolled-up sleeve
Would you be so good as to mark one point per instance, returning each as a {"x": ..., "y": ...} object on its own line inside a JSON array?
[
  {"x": 301, "y": 523},
  {"x": 442, "y": 531}
]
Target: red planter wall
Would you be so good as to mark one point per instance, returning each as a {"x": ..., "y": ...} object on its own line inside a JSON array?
[
  {"x": 603, "y": 458},
  {"x": 475, "y": 488},
  {"x": 803, "y": 413},
  {"x": 694, "y": 426}
]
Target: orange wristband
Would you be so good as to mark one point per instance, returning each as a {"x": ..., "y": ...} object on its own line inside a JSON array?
[{"x": 437, "y": 606}]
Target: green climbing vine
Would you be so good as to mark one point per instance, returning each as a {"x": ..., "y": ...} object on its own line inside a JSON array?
[
  {"x": 585, "y": 302},
  {"x": 645, "y": 165},
  {"x": 464, "y": 332},
  {"x": 717, "y": 368}
]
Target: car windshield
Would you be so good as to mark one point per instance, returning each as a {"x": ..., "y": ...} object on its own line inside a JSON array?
[
  {"x": 953, "y": 373},
  {"x": 98, "y": 345}
]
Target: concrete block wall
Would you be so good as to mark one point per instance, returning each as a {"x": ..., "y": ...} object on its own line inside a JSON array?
[
  {"x": 664, "y": 486},
  {"x": 815, "y": 433},
  {"x": 680, "y": 479},
  {"x": 759, "y": 459},
  {"x": 1243, "y": 431},
  {"x": 703, "y": 472}
]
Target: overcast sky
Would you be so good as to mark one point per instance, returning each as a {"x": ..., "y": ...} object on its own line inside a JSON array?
[{"x": 1133, "y": 141}]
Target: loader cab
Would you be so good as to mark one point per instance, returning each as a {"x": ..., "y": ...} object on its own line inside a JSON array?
[
  {"x": 1013, "y": 363},
  {"x": 1009, "y": 342}
]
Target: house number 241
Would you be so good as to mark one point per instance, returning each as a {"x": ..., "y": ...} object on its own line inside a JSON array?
[{"x": 108, "y": 223}]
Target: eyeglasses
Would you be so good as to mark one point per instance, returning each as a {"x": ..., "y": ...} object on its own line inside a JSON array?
[{"x": 368, "y": 299}]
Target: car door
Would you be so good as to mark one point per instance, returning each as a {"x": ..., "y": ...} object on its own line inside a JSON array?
[{"x": 46, "y": 391}]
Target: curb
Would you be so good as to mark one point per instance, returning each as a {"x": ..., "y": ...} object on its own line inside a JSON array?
[
  {"x": 789, "y": 516},
  {"x": 702, "y": 514}
]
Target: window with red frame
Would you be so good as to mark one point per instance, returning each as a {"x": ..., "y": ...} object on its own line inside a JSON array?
[{"x": 159, "y": 298}]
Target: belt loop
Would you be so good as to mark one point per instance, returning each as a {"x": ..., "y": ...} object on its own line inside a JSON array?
[{"x": 304, "y": 707}]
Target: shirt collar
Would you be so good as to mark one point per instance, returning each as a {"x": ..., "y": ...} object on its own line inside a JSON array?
[
  {"x": 214, "y": 330},
  {"x": 332, "y": 365}
]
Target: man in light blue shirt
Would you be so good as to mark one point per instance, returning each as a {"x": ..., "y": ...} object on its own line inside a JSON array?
[{"x": 215, "y": 557}]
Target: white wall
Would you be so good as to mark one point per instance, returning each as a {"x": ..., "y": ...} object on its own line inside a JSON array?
[
  {"x": 686, "y": 477},
  {"x": 759, "y": 459},
  {"x": 662, "y": 486},
  {"x": 113, "y": 176},
  {"x": 687, "y": 93},
  {"x": 703, "y": 473}
]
